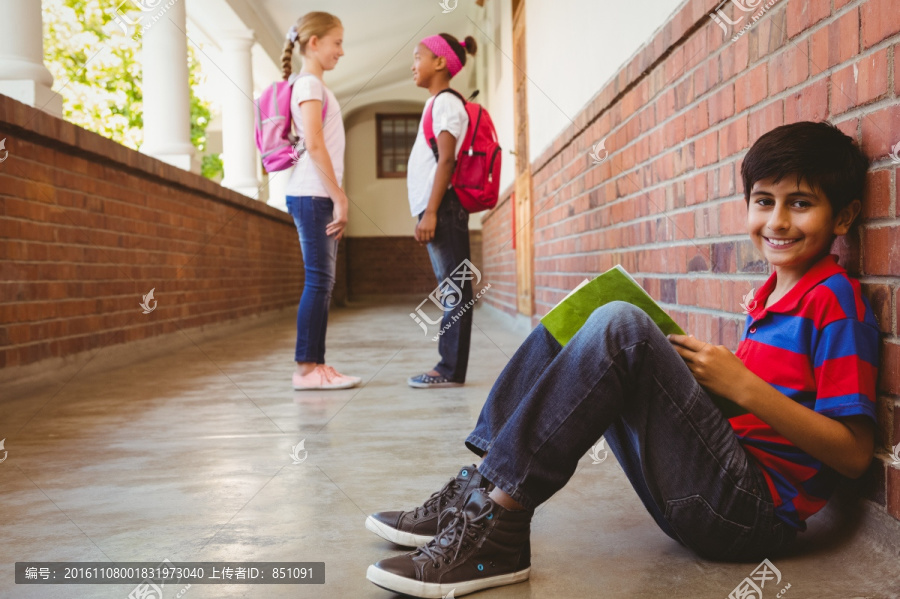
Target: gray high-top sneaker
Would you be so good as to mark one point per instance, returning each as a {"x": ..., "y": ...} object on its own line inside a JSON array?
[
  {"x": 482, "y": 546},
  {"x": 417, "y": 527}
]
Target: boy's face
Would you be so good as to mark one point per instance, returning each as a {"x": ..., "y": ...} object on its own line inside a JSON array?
[{"x": 793, "y": 225}]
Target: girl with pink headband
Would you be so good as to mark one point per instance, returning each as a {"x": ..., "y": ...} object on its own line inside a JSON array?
[{"x": 443, "y": 223}]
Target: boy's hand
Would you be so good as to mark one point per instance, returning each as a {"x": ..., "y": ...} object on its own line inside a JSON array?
[
  {"x": 425, "y": 228},
  {"x": 714, "y": 366}
]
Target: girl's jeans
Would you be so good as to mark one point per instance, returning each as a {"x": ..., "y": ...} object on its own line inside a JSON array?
[
  {"x": 447, "y": 251},
  {"x": 311, "y": 215},
  {"x": 620, "y": 377}
]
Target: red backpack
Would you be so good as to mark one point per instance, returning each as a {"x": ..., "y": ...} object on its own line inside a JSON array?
[{"x": 476, "y": 177}]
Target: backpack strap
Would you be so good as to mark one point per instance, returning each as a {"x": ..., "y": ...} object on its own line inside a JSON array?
[
  {"x": 324, "y": 93},
  {"x": 428, "y": 120}
]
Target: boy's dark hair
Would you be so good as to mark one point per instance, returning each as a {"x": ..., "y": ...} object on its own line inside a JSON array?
[
  {"x": 819, "y": 153},
  {"x": 471, "y": 46}
]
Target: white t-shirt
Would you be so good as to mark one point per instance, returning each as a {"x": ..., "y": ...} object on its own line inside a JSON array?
[
  {"x": 306, "y": 178},
  {"x": 449, "y": 115}
]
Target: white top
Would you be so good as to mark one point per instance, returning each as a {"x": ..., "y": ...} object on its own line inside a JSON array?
[
  {"x": 449, "y": 115},
  {"x": 306, "y": 178}
]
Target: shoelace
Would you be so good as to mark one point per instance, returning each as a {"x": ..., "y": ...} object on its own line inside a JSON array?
[
  {"x": 453, "y": 537},
  {"x": 438, "y": 498},
  {"x": 329, "y": 373}
]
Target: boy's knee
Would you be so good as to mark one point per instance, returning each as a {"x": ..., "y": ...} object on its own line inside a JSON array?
[{"x": 620, "y": 315}]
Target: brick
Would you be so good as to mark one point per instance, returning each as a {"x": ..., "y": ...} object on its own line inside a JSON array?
[
  {"x": 766, "y": 118},
  {"x": 706, "y": 149},
  {"x": 751, "y": 87},
  {"x": 697, "y": 119},
  {"x": 733, "y": 137},
  {"x": 768, "y": 34},
  {"x": 893, "y": 491},
  {"x": 879, "y": 297},
  {"x": 789, "y": 67},
  {"x": 880, "y": 131},
  {"x": 835, "y": 43},
  {"x": 810, "y": 103},
  {"x": 862, "y": 82},
  {"x": 721, "y": 105},
  {"x": 877, "y": 200},
  {"x": 733, "y": 59},
  {"x": 894, "y": 439},
  {"x": 803, "y": 14},
  {"x": 749, "y": 260},
  {"x": 896, "y": 318},
  {"x": 889, "y": 369},
  {"x": 896, "y": 79},
  {"x": 880, "y": 19}
]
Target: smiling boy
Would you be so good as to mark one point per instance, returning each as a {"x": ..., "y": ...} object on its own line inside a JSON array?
[{"x": 737, "y": 489}]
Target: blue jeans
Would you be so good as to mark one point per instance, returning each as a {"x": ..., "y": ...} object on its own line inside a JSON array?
[
  {"x": 312, "y": 215},
  {"x": 447, "y": 251},
  {"x": 620, "y": 377}
]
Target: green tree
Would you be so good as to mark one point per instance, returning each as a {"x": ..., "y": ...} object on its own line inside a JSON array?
[{"x": 96, "y": 70}]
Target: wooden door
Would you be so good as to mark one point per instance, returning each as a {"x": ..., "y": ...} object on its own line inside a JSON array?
[{"x": 523, "y": 195}]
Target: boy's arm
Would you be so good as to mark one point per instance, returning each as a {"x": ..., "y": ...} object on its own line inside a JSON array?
[
  {"x": 845, "y": 444},
  {"x": 446, "y": 143}
]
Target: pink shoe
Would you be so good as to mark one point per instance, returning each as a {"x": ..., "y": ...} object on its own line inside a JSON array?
[
  {"x": 323, "y": 377},
  {"x": 335, "y": 375}
]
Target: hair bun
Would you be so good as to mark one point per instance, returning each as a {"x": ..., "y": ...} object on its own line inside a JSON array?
[{"x": 470, "y": 45}]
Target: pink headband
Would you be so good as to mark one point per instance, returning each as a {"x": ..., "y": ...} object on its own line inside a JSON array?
[{"x": 439, "y": 46}]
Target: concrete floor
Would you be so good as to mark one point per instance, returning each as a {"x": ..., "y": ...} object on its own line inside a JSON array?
[{"x": 186, "y": 456}]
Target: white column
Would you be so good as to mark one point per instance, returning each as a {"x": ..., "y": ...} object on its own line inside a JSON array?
[
  {"x": 238, "y": 144},
  {"x": 278, "y": 189},
  {"x": 23, "y": 75},
  {"x": 167, "y": 98}
]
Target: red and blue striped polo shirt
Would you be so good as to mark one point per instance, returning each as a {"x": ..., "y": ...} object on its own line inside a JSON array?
[{"x": 818, "y": 345}]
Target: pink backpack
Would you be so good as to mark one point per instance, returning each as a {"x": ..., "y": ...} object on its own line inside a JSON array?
[
  {"x": 476, "y": 177},
  {"x": 277, "y": 144}
]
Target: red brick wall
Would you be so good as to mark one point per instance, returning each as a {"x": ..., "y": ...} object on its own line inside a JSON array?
[
  {"x": 667, "y": 203},
  {"x": 394, "y": 266},
  {"x": 87, "y": 227},
  {"x": 499, "y": 256}
]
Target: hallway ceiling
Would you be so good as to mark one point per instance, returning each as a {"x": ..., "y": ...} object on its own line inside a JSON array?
[{"x": 378, "y": 36}]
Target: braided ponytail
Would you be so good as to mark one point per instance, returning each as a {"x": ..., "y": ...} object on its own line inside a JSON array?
[{"x": 286, "y": 59}]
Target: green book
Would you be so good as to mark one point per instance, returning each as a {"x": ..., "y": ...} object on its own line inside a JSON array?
[{"x": 569, "y": 315}]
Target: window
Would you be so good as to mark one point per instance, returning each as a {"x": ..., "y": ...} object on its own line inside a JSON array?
[{"x": 396, "y": 136}]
